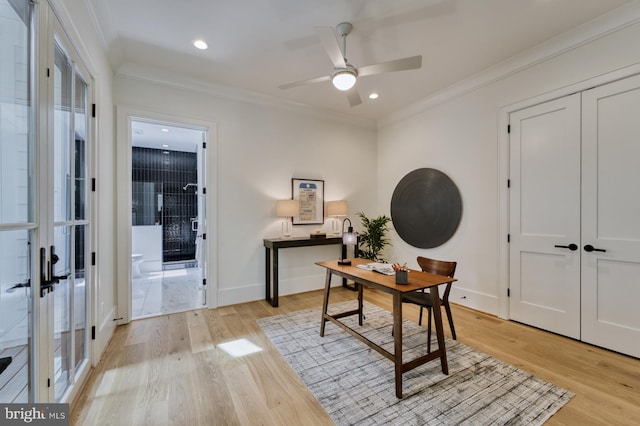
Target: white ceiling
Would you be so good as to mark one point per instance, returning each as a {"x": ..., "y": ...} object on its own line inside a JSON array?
[
  {"x": 257, "y": 45},
  {"x": 165, "y": 136}
]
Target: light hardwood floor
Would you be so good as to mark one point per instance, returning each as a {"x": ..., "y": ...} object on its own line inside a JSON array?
[{"x": 167, "y": 371}]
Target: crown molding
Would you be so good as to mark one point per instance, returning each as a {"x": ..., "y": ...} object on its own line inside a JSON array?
[
  {"x": 141, "y": 72},
  {"x": 70, "y": 30},
  {"x": 96, "y": 23}
]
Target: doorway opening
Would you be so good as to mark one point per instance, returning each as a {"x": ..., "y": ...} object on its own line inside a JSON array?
[{"x": 168, "y": 220}]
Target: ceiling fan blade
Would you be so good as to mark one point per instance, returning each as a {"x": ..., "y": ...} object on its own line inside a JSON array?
[
  {"x": 304, "y": 82},
  {"x": 410, "y": 63},
  {"x": 328, "y": 38},
  {"x": 354, "y": 97}
]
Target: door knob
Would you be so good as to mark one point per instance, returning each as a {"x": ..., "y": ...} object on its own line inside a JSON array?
[
  {"x": 572, "y": 247},
  {"x": 589, "y": 248}
]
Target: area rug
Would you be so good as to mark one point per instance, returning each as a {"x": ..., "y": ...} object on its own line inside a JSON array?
[{"x": 355, "y": 384}]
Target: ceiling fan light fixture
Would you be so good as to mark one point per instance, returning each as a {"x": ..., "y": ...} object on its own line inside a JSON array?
[
  {"x": 344, "y": 79},
  {"x": 344, "y": 76},
  {"x": 200, "y": 44}
]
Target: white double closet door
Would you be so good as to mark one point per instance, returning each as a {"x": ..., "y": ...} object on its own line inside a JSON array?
[{"x": 575, "y": 216}]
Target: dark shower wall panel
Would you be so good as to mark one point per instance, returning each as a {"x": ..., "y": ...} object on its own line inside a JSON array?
[
  {"x": 178, "y": 237},
  {"x": 180, "y": 206},
  {"x": 173, "y": 170}
]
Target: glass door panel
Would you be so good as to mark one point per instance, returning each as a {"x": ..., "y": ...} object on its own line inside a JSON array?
[
  {"x": 15, "y": 316},
  {"x": 80, "y": 154},
  {"x": 17, "y": 223},
  {"x": 63, "y": 130},
  {"x": 80, "y": 335},
  {"x": 15, "y": 112},
  {"x": 62, "y": 297}
]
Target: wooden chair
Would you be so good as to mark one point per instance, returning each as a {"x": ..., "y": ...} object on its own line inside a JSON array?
[{"x": 423, "y": 299}]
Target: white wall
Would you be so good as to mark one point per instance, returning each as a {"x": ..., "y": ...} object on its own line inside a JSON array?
[
  {"x": 460, "y": 135},
  {"x": 260, "y": 147}
]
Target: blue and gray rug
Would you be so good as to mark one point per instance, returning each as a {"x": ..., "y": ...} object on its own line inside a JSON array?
[{"x": 355, "y": 384}]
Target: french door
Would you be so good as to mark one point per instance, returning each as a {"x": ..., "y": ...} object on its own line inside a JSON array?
[
  {"x": 68, "y": 227},
  {"x": 574, "y": 216},
  {"x": 44, "y": 213}
]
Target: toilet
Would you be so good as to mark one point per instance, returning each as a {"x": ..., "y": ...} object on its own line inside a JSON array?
[{"x": 136, "y": 260}]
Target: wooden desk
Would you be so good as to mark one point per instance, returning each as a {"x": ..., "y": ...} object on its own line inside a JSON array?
[
  {"x": 417, "y": 280},
  {"x": 273, "y": 244}
]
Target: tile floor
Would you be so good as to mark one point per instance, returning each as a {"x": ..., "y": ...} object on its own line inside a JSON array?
[{"x": 158, "y": 293}]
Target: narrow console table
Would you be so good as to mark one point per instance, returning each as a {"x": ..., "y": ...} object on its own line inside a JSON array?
[{"x": 271, "y": 262}]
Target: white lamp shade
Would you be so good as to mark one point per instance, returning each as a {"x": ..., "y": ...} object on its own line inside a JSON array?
[
  {"x": 344, "y": 80},
  {"x": 349, "y": 238},
  {"x": 336, "y": 208},
  {"x": 287, "y": 208}
]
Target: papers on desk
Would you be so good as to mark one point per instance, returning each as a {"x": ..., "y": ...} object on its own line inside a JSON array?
[{"x": 383, "y": 268}]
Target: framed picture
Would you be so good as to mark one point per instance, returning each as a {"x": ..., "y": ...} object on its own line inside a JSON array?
[{"x": 310, "y": 194}]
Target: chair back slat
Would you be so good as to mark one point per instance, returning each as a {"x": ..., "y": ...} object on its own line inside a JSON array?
[{"x": 438, "y": 267}]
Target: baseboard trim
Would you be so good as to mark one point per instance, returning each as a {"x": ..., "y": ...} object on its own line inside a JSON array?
[
  {"x": 475, "y": 300},
  {"x": 253, "y": 292},
  {"x": 103, "y": 336}
]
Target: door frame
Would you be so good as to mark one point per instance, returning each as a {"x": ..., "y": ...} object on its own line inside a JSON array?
[
  {"x": 124, "y": 116},
  {"x": 503, "y": 169}
]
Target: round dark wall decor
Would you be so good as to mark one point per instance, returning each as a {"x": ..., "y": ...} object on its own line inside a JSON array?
[{"x": 426, "y": 208}]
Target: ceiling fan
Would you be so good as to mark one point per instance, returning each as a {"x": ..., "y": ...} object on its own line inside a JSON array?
[{"x": 344, "y": 74}]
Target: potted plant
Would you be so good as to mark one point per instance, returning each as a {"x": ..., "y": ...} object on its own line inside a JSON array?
[{"x": 374, "y": 239}]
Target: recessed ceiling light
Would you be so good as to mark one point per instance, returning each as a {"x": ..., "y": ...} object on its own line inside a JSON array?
[
  {"x": 200, "y": 44},
  {"x": 165, "y": 130},
  {"x": 373, "y": 96},
  {"x": 164, "y": 145}
]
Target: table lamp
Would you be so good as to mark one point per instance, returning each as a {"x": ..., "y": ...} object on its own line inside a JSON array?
[
  {"x": 335, "y": 210},
  {"x": 287, "y": 209},
  {"x": 349, "y": 238}
]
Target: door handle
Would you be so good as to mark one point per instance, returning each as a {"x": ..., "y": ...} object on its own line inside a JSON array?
[
  {"x": 46, "y": 286},
  {"x": 47, "y": 278},
  {"x": 572, "y": 247},
  {"x": 589, "y": 248},
  {"x": 54, "y": 260},
  {"x": 55, "y": 279}
]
